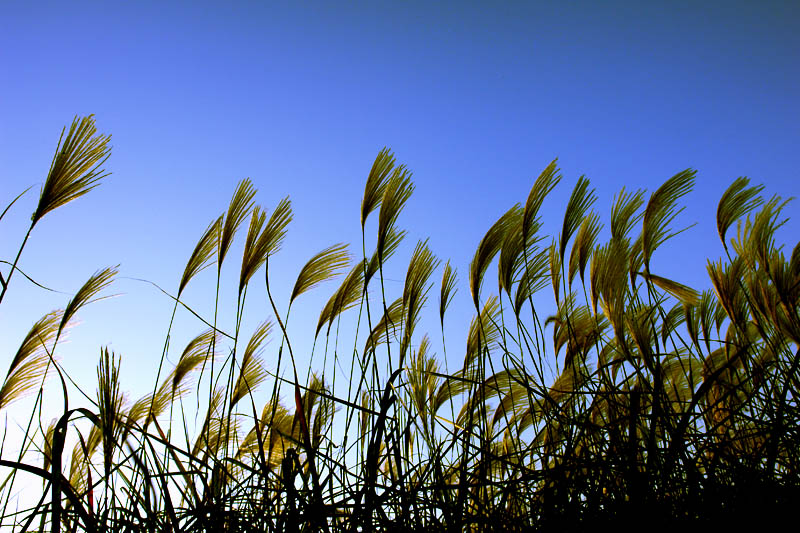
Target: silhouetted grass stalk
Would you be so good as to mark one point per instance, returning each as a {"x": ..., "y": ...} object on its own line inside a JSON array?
[{"x": 652, "y": 402}]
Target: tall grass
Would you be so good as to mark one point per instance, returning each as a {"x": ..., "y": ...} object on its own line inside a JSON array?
[{"x": 634, "y": 397}]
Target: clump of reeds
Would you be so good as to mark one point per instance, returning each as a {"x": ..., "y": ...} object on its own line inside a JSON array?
[{"x": 633, "y": 397}]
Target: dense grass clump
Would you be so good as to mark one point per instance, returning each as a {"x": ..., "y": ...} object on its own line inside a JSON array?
[{"x": 633, "y": 400}]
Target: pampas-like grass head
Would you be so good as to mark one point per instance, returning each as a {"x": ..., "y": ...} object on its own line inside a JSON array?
[
  {"x": 323, "y": 266},
  {"x": 27, "y": 369},
  {"x": 76, "y": 167}
]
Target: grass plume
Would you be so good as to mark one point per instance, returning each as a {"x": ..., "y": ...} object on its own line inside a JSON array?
[
  {"x": 76, "y": 168},
  {"x": 637, "y": 398}
]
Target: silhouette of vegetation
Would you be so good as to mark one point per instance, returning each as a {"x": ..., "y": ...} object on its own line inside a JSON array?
[{"x": 634, "y": 399}]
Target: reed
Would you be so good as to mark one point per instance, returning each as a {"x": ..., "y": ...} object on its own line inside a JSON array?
[{"x": 631, "y": 399}]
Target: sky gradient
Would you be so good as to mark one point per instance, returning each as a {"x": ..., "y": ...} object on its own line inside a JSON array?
[{"x": 475, "y": 98}]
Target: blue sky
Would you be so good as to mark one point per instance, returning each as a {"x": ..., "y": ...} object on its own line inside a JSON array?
[{"x": 475, "y": 98}]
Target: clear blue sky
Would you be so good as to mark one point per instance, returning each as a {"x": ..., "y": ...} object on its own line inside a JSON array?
[{"x": 475, "y": 98}]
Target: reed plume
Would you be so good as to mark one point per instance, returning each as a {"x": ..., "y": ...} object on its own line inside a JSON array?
[{"x": 76, "y": 166}]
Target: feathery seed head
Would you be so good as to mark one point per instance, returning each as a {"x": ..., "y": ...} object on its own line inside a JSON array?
[
  {"x": 29, "y": 364},
  {"x": 75, "y": 169},
  {"x": 251, "y": 372},
  {"x": 737, "y": 201},
  {"x": 448, "y": 290},
  {"x": 325, "y": 265},
  {"x": 398, "y": 191},
  {"x": 545, "y": 183},
  {"x": 661, "y": 210},
  {"x": 579, "y": 203},
  {"x": 96, "y": 283},
  {"x": 623, "y": 213},
  {"x": 346, "y": 296},
  {"x": 420, "y": 268},
  {"x": 239, "y": 208},
  {"x": 584, "y": 243},
  {"x": 203, "y": 253},
  {"x": 264, "y": 239},
  {"x": 488, "y": 249},
  {"x": 376, "y": 183}
]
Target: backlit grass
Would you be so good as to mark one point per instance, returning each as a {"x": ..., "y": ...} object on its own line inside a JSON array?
[{"x": 631, "y": 399}]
